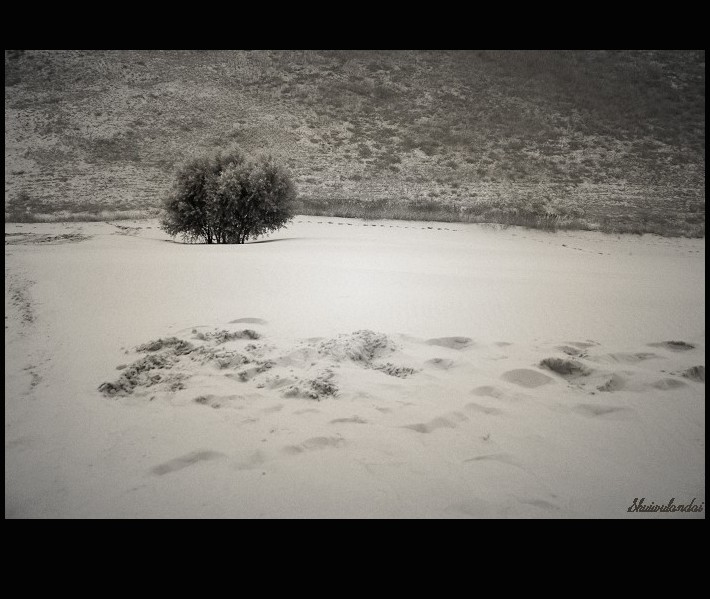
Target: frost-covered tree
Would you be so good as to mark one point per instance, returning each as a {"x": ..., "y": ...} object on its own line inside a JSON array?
[{"x": 228, "y": 198}]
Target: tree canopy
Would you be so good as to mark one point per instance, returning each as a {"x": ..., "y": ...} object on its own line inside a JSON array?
[{"x": 228, "y": 198}]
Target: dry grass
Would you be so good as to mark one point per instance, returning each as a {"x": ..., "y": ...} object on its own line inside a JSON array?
[
  {"x": 513, "y": 213},
  {"x": 622, "y": 132},
  {"x": 62, "y": 217},
  {"x": 549, "y": 216}
]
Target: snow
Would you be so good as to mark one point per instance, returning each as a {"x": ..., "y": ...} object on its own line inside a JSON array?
[{"x": 397, "y": 372}]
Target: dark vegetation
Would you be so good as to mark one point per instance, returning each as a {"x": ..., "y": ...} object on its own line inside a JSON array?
[
  {"x": 228, "y": 198},
  {"x": 610, "y": 140}
]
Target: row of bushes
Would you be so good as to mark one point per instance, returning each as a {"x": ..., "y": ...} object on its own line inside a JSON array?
[
  {"x": 535, "y": 213},
  {"x": 540, "y": 215},
  {"x": 230, "y": 198}
]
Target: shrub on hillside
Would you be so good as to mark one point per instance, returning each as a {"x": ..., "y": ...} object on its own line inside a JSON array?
[
  {"x": 18, "y": 207},
  {"x": 228, "y": 199}
]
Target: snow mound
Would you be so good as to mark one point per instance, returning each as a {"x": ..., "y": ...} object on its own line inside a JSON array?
[
  {"x": 695, "y": 373},
  {"x": 179, "y": 346},
  {"x": 315, "y": 388},
  {"x": 401, "y": 372},
  {"x": 142, "y": 374},
  {"x": 223, "y": 336},
  {"x": 564, "y": 367},
  {"x": 362, "y": 346}
]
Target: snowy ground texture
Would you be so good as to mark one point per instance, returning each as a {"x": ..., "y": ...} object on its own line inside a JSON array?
[{"x": 343, "y": 368}]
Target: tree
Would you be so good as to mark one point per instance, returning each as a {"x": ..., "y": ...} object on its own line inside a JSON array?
[{"x": 228, "y": 199}]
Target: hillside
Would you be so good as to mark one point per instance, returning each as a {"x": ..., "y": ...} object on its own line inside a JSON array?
[{"x": 609, "y": 140}]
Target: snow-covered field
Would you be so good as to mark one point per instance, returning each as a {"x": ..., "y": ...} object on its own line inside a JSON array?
[{"x": 350, "y": 369}]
